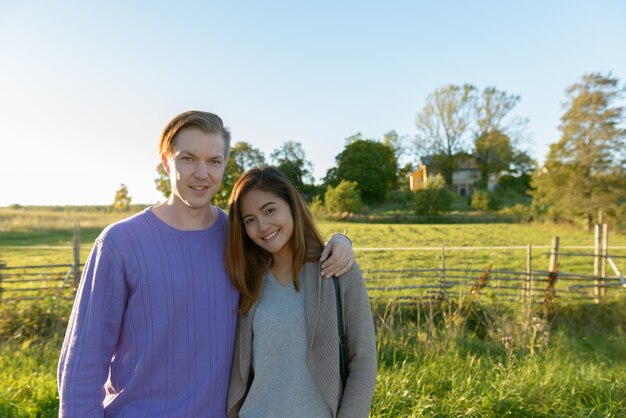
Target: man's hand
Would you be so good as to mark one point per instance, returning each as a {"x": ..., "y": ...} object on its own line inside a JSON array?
[{"x": 337, "y": 256}]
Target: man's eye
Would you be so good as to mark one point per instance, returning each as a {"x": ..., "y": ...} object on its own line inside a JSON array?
[
  {"x": 186, "y": 158},
  {"x": 216, "y": 162}
]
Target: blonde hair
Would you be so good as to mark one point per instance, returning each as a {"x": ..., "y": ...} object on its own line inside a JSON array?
[{"x": 208, "y": 123}]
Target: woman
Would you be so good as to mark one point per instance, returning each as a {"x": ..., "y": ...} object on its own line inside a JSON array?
[{"x": 286, "y": 360}]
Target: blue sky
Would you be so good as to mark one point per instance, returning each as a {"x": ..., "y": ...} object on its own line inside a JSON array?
[{"x": 85, "y": 89}]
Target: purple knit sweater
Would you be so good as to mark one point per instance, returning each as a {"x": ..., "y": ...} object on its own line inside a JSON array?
[{"x": 152, "y": 329}]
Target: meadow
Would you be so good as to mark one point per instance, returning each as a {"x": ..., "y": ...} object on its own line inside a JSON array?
[{"x": 461, "y": 357}]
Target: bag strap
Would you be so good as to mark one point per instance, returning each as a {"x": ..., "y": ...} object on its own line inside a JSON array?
[{"x": 343, "y": 355}]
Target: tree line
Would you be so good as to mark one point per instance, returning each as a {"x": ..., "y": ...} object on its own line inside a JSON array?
[{"x": 584, "y": 170}]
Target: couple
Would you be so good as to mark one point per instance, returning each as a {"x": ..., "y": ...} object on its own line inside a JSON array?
[{"x": 152, "y": 332}]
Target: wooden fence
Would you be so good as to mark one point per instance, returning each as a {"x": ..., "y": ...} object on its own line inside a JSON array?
[
  {"x": 31, "y": 282},
  {"x": 533, "y": 284}
]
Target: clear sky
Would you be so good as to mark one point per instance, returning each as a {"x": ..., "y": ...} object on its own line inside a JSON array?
[{"x": 86, "y": 88}]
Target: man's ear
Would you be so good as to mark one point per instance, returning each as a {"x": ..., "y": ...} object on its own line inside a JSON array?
[{"x": 166, "y": 164}]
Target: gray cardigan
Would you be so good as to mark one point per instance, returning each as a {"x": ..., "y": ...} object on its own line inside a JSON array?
[{"x": 320, "y": 314}]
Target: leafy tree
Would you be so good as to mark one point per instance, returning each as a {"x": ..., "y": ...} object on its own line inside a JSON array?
[
  {"x": 332, "y": 177},
  {"x": 353, "y": 138},
  {"x": 494, "y": 153},
  {"x": 371, "y": 164},
  {"x": 585, "y": 170},
  {"x": 290, "y": 158},
  {"x": 434, "y": 199},
  {"x": 243, "y": 156},
  {"x": 402, "y": 178},
  {"x": 400, "y": 149},
  {"x": 443, "y": 126},
  {"x": 163, "y": 181},
  {"x": 343, "y": 198},
  {"x": 497, "y": 132},
  {"x": 122, "y": 198}
]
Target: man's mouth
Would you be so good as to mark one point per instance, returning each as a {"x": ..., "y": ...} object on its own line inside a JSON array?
[{"x": 199, "y": 188}]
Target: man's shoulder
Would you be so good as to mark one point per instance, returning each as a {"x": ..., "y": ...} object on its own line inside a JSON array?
[{"x": 120, "y": 229}]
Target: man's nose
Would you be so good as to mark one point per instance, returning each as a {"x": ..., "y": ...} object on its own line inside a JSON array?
[{"x": 202, "y": 170}]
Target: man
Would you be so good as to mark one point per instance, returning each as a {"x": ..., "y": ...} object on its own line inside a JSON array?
[{"x": 152, "y": 330}]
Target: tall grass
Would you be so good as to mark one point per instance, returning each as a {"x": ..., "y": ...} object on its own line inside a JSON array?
[
  {"x": 470, "y": 360},
  {"x": 446, "y": 359}
]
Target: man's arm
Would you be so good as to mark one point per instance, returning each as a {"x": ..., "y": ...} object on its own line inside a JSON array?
[
  {"x": 337, "y": 256},
  {"x": 92, "y": 334}
]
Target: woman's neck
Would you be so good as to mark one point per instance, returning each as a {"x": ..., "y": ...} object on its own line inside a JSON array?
[{"x": 282, "y": 265}]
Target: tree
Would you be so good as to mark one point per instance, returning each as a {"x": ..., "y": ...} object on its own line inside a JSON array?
[
  {"x": 497, "y": 132},
  {"x": 163, "y": 181},
  {"x": 243, "y": 156},
  {"x": 371, "y": 164},
  {"x": 122, "y": 198},
  {"x": 290, "y": 158},
  {"x": 443, "y": 126},
  {"x": 398, "y": 144},
  {"x": 585, "y": 170},
  {"x": 494, "y": 154},
  {"x": 343, "y": 198}
]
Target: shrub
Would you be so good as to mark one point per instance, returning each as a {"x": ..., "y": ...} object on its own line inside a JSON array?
[
  {"x": 518, "y": 212},
  {"x": 317, "y": 206},
  {"x": 45, "y": 318},
  {"x": 343, "y": 198},
  {"x": 434, "y": 199},
  {"x": 483, "y": 200}
]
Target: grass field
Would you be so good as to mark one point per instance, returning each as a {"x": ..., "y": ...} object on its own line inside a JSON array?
[{"x": 459, "y": 358}]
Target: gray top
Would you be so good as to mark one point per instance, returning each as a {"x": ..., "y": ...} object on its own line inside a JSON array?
[
  {"x": 320, "y": 318},
  {"x": 283, "y": 385}
]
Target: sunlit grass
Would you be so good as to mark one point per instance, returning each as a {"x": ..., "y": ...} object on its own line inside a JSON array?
[{"x": 459, "y": 359}]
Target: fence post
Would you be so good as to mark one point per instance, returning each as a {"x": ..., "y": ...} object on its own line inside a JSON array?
[
  {"x": 2, "y": 264},
  {"x": 554, "y": 253},
  {"x": 603, "y": 259},
  {"x": 76, "y": 248},
  {"x": 527, "y": 285},
  {"x": 597, "y": 255},
  {"x": 442, "y": 274}
]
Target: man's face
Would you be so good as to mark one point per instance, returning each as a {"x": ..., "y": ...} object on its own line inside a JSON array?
[{"x": 195, "y": 166}]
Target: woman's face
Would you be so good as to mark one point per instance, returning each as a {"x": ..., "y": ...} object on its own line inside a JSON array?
[{"x": 268, "y": 220}]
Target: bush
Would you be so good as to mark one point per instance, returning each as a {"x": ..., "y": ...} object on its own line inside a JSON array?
[
  {"x": 317, "y": 207},
  {"x": 45, "y": 318},
  {"x": 484, "y": 201},
  {"x": 343, "y": 198},
  {"x": 434, "y": 199},
  {"x": 518, "y": 212}
]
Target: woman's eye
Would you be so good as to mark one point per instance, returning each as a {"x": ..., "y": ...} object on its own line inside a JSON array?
[
  {"x": 270, "y": 210},
  {"x": 248, "y": 221}
]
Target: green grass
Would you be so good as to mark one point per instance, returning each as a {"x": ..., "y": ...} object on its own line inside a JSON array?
[
  {"x": 458, "y": 359},
  {"x": 434, "y": 360}
]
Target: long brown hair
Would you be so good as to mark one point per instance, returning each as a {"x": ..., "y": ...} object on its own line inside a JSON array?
[{"x": 246, "y": 262}]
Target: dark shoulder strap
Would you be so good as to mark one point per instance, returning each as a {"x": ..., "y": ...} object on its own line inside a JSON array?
[{"x": 343, "y": 355}]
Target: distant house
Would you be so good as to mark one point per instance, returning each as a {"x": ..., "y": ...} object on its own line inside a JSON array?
[{"x": 464, "y": 179}]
